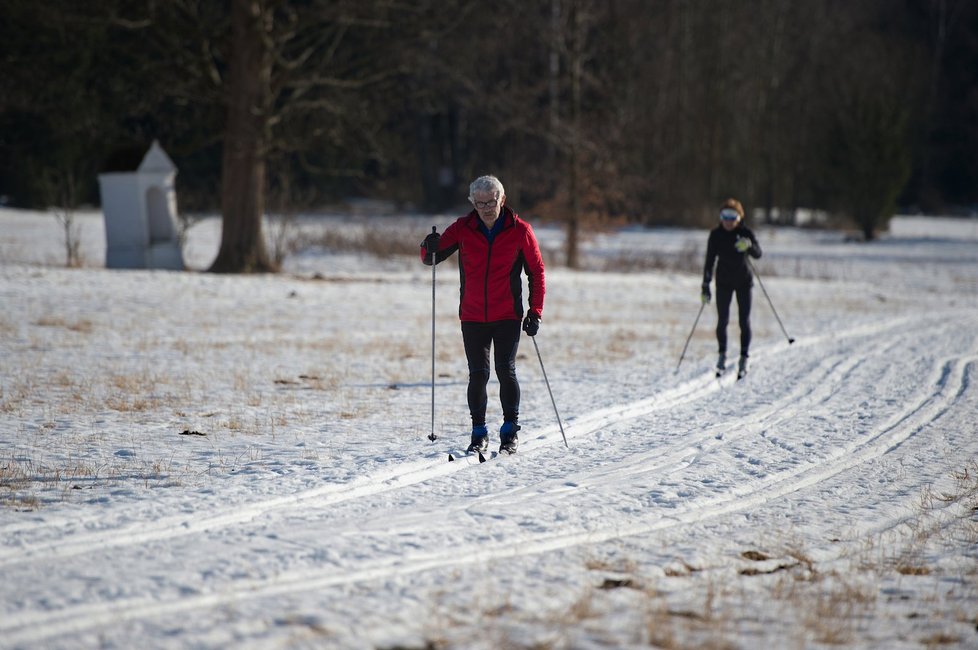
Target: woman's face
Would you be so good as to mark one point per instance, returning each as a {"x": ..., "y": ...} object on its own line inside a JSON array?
[{"x": 730, "y": 218}]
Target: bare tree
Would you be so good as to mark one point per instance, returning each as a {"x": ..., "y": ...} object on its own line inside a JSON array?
[
  {"x": 63, "y": 189},
  {"x": 246, "y": 140},
  {"x": 868, "y": 146},
  {"x": 647, "y": 110},
  {"x": 285, "y": 198},
  {"x": 291, "y": 78}
]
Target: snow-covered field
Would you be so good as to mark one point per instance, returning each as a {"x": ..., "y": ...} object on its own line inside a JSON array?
[{"x": 194, "y": 460}]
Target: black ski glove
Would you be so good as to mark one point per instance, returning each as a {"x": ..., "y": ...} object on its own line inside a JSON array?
[
  {"x": 705, "y": 293},
  {"x": 430, "y": 244},
  {"x": 531, "y": 324}
]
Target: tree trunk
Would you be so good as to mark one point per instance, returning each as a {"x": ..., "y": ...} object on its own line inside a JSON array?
[
  {"x": 243, "y": 181},
  {"x": 574, "y": 218}
]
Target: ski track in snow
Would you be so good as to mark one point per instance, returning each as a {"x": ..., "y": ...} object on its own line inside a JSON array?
[
  {"x": 407, "y": 474},
  {"x": 817, "y": 386}
]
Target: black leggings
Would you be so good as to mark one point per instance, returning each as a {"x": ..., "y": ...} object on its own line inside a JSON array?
[
  {"x": 724, "y": 294},
  {"x": 504, "y": 337}
]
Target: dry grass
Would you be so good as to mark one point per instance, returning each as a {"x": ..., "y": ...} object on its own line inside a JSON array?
[
  {"x": 833, "y": 606},
  {"x": 15, "y": 483},
  {"x": 782, "y": 594},
  {"x": 12, "y": 398},
  {"x": 82, "y": 326},
  {"x": 688, "y": 260},
  {"x": 22, "y": 479},
  {"x": 945, "y": 518},
  {"x": 79, "y": 393},
  {"x": 383, "y": 243}
]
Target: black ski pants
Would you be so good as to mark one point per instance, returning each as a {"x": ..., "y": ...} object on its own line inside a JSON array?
[
  {"x": 724, "y": 295},
  {"x": 503, "y": 337}
]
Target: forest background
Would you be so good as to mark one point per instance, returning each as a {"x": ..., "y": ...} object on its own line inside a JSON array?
[{"x": 641, "y": 111}]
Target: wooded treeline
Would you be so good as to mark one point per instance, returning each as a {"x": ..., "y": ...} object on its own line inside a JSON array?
[{"x": 648, "y": 110}]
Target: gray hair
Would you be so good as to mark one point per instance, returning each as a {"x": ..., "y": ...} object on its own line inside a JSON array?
[{"x": 488, "y": 183}]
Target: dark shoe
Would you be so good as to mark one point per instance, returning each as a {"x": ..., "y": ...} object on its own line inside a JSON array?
[
  {"x": 742, "y": 367},
  {"x": 508, "y": 440},
  {"x": 480, "y": 440},
  {"x": 721, "y": 363}
]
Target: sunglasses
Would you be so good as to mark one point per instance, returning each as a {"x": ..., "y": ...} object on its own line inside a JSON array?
[{"x": 729, "y": 215}]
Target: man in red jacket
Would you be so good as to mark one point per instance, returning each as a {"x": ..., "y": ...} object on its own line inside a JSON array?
[{"x": 495, "y": 247}]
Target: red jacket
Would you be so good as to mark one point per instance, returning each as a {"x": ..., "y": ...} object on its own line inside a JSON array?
[{"x": 492, "y": 286}]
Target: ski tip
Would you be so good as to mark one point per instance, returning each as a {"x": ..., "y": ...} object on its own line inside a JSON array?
[
  {"x": 450, "y": 458},
  {"x": 482, "y": 457}
]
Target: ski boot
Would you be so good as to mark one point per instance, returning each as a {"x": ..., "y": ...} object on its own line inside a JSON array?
[
  {"x": 480, "y": 440},
  {"x": 508, "y": 441},
  {"x": 721, "y": 364},
  {"x": 742, "y": 367}
]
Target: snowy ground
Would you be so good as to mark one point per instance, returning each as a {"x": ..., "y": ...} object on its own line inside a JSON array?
[{"x": 193, "y": 460}]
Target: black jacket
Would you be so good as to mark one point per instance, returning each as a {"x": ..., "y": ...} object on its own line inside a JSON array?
[{"x": 731, "y": 265}]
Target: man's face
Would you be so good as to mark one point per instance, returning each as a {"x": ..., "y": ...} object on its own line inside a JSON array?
[{"x": 488, "y": 206}]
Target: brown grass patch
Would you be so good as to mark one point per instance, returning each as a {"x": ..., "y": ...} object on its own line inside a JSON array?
[{"x": 82, "y": 326}]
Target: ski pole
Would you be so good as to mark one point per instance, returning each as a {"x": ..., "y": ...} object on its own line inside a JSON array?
[
  {"x": 434, "y": 258},
  {"x": 758, "y": 276},
  {"x": 544, "y": 370},
  {"x": 681, "y": 356}
]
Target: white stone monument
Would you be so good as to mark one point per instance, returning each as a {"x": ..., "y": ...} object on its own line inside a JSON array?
[{"x": 140, "y": 210}]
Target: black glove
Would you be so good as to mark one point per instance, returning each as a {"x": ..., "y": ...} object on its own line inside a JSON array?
[
  {"x": 430, "y": 244},
  {"x": 531, "y": 324},
  {"x": 705, "y": 293}
]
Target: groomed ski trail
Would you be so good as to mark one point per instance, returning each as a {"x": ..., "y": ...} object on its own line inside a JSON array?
[{"x": 941, "y": 387}]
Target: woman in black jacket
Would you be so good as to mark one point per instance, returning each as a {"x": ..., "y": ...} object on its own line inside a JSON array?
[{"x": 727, "y": 248}]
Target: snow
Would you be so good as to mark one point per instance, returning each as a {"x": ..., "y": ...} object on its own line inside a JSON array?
[{"x": 209, "y": 461}]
